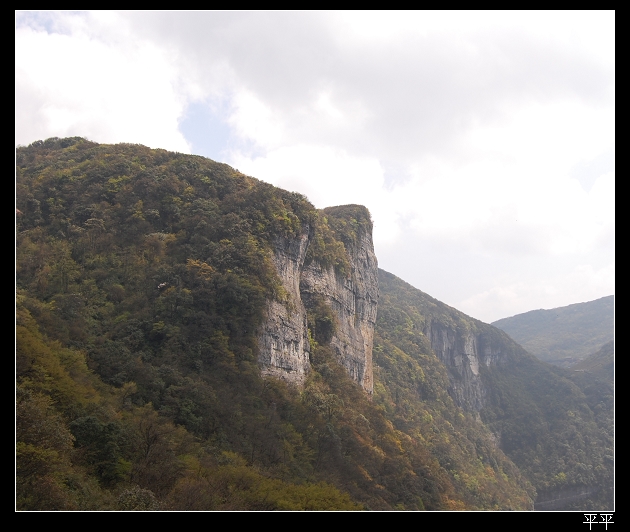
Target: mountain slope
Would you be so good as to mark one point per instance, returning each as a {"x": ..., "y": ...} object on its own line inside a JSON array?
[
  {"x": 549, "y": 425},
  {"x": 562, "y": 336},
  {"x": 143, "y": 282},
  {"x": 600, "y": 364}
]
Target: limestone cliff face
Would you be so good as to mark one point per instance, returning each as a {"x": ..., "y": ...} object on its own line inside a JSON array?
[
  {"x": 353, "y": 299},
  {"x": 463, "y": 351},
  {"x": 283, "y": 341}
]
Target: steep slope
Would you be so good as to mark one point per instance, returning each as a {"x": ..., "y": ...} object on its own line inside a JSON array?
[
  {"x": 415, "y": 388},
  {"x": 148, "y": 284},
  {"x": 341, "y": 301},
  {"x": 351, "y": 293},
  {"x": 600, "y": 365},
  {"x": 541, "y": 419},
  {"x": 565, "y": 335}
]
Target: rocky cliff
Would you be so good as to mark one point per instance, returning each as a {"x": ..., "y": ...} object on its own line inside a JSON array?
[
  {"x": 351, "y": 296},
  {"x": 284, "y": 344},
  {"x": 557, "y": 426},
  {"x": 353, "y": 300},
  {"x": 464, "y": 349}
]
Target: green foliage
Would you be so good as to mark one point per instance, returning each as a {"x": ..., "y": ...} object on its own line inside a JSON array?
[
  {"x": 350, "y": 222},
  {"x": 229, "y": 484},
  {"x": 555, "y": 425},
  {"x": 600, "y": 364},
  {"x": 335, "y": 230},
  {"x": 43, "y": 449},
  {"x": 412, "y": 384},
  {"x": 142, "y": 278},
  {"x": 563, "y": 336},
  {"x": 137, "y": 499},
  {"x": 325, "y": 248},
  {"x": 321, "y": 320}
]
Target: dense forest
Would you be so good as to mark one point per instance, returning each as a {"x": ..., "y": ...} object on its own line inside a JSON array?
[
  {"x": 141, "y": 282},
  {"x": 556, "y": 425},
  {"x": 600, "y": 365}
]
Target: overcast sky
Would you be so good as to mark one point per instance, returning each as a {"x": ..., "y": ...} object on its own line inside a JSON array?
[{"x": 483, "y": 143}]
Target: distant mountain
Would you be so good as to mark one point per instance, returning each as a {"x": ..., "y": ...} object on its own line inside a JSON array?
[{"x": 565, "y": 335}]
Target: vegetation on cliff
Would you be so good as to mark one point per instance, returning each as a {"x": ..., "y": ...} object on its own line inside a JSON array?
[
  {"x": 554, "y": 424},
  {"x": 142, "y": 277}
]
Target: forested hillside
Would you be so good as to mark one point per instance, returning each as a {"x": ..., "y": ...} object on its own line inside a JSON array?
[
  {"x": 556, "y": 425},
  {"x": 565, "y": 335},
  {"x": 142, "y": 277},
  {"x": 600, "y": 365}
]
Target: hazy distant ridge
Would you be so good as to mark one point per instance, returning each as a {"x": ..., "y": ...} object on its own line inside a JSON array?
[{"x": 564, "y": 335}]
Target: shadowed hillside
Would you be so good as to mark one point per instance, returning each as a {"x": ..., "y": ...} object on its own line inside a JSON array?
[
  {"x": 555, "y": 426},
  {"x": 600, "y": 365}
]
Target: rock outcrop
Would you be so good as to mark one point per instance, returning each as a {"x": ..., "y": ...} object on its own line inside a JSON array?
[
  {"x": 283, "y": 342},
  {"x": 352, "y": 298},
  {"x": 464, "y": 351}
]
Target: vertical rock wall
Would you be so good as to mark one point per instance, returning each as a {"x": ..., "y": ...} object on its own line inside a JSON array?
[
  {"x": 458, "y": 352},
  {"x": 283, "y": 342},
  {"x": 463, "y": 352},
  {"x": 353, "y": 299}
]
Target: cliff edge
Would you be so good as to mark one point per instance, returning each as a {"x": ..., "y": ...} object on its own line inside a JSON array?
[{"x": 349, "y": 293}]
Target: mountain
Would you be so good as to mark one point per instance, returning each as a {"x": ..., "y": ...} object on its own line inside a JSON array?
[
  {"x": 565, "y": 335},
  {"x": 191, "y": 338},
  {"x": 600, "y": 365},
  {"x": 557, "y": 429}
]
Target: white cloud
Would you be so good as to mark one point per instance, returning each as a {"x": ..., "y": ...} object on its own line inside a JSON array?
[
  {"x": 327, "y": 176},
  {"x": 508, "y": 297},
  {"x": 75, "y": 83},
  {"x": 460, "y": 131},
  {"x": 252, "y": 119}
]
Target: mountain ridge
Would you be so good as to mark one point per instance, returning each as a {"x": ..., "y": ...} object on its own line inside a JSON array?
[
  {"x": 144, "y": 280},
  {"x": 563, "y": 335}
]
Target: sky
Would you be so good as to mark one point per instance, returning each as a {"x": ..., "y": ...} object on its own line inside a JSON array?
[{"x": 482, "y": 142}]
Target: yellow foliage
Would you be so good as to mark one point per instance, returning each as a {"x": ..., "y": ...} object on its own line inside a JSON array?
[
  {"x": 46, "y": 366},
  {"x": 200, "y": 269}
]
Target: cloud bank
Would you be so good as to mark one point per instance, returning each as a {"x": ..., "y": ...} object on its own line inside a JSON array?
[{"x": 482, "y": 143}]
